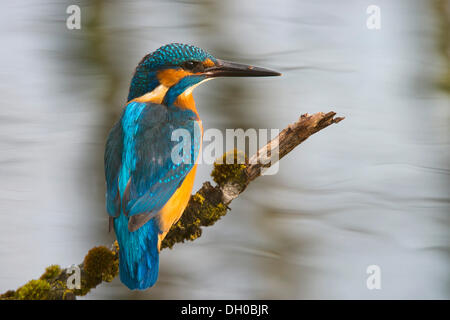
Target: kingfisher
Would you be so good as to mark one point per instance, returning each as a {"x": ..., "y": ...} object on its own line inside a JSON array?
[{"x": 149, "y": 174}]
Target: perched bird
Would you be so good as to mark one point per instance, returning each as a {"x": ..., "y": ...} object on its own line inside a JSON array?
[{"x": 147, "y": 190}]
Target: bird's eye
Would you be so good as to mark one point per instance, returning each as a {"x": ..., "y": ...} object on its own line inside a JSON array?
[
  {"x": 189, "y": 65},
  {"x": 194, "y": 66}
]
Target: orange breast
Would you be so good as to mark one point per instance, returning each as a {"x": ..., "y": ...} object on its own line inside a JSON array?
[{"x": 173, "y": 209}]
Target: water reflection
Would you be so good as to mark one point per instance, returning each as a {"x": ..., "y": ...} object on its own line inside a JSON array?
[{"x": 372, "y": 190}]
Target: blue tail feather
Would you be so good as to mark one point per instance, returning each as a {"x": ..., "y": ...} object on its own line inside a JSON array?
[{"x": 138, "y": 254}]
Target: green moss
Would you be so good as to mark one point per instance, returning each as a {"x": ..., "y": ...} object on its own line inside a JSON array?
[
  {"x": 34, "y": 290},
  {"x": 86, "y": 287},
  {"x": 198, "y": 198},
  {"x": 100, "y": 264},
  {"x": 231, "y": 169},
  {"x": 204, "y": 209},
  {"x": 115, "y": 249},
  {"x": 205, "y": 212},
  {"x": 51, "y": 272},
  {"x": 47, "y": 287},
  {"x": 68, "y": 295},
  {"x": 8, "y": 295}
]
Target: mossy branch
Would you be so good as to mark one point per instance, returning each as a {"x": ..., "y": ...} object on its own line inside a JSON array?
[{"x": 205, "y": 207}]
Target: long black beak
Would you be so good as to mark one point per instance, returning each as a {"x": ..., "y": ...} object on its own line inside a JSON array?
[{"x": 231, "y": 69}]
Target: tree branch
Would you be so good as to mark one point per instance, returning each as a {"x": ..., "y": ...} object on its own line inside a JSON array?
[{"x": 205, "y": 207}]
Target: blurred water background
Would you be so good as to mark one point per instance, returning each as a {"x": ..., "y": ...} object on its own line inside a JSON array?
[{"x": 373, "y": 189}]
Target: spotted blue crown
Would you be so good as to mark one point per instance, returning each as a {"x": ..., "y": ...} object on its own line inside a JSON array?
[{"x": 173, "y": 54}]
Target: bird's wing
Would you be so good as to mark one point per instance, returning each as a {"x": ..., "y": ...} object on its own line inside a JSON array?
[
  {"x": 160, "y": 161},
  {"x": 113, "y": 162},
  {"x": 160, "y": 167}
]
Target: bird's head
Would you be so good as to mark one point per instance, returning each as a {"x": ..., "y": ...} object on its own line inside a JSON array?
[{"x": 176, "y": 69}]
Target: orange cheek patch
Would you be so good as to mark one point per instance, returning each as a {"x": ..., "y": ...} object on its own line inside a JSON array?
[
  {"x": 169, "y": 77},
  {"x": 208, "y": 63}
]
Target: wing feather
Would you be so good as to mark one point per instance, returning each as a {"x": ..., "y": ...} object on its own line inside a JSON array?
[{"x": 160, "y": 163}]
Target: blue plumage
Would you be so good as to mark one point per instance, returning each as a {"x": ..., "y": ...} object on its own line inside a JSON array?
[
  {"x": 173, "y": 54},
  {"x": 154, "y": 175},
  {"x": 138, "y": 254},
  {"x": 180, "y": 87},
  {"x": 113, "y": 163},
  {"x": 142, "y": 176}
]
